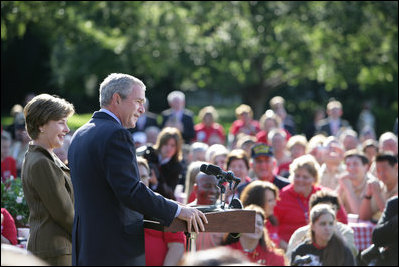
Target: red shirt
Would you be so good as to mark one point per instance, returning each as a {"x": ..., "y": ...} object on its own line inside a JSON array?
[
  {"x": 203, "y": 132},
  {"x": 273, "y": 233},
  {"x": 292, "y": 211},
  {"x": 8, "y": 168},
  {"x": 261, "y": 256},
  {"x": 261, "y": 137},
  {"x": 8, "y": 229},
  {"x": 192, "y": 197},
  {"x": 238, "y": 126},
  {"x": 156, "y": 245},
  {"x": 284, "y": 169}
]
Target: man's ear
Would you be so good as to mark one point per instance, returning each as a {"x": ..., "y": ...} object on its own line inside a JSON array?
[
  {"x": 116, "y": 98},
  {"x": 195, "y": 187}
]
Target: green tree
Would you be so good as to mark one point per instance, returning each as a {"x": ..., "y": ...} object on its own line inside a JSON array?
[{"x": 306, "y": 51}]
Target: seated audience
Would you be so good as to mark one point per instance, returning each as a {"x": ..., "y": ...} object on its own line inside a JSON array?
[
  {"x": 353, "y": 183},
  {"x": 20, "y": 145},
  {"x": 207, "y": 192},
  {"x": 311, "y": 126},
  {"x": 315, "y": 147},
  {"x": 370, "y": 149},
  {"x": 238, "y": 163},
  {"x": 161, "y": 248},
  {"x": 349, "y": 139},
  {"x": 277, "y": 104},
  {"x": 292, "y": 210},
  {"x": 243, "y": 124},
  {"x": 218, "y": 256},
  {"x": 152, "y": 133},
  {"x": 265, "y": 195},
  {"x": 388, "y": 141},
  {"x": 178, "y": 116},
  {"x": 8, "y": 163},
  {"x": 333, "y": 123},
  {"x": 333, "y": 165},
  {"x": 168, "y": 156},
  {"x": 208, "y": 130},
  {"x": 342, "y": 230},
  {"x": 245, "y": 142},
  {"x": 192, "y": 170},
  {"x": 323, "y": 245},
  {"x": 264, "y": 166},
  {"x": 296, "y": 146},
  {"x": 197, "y": 151},
  {"x": 375, "y": 198},
  {"x": 268, "y": 121},
  {"x": 257, "y": 246},
  {"x": 8, "y": 228},
  {"x": 216, "y": 154},
  {"x": 277, "y": 139}
]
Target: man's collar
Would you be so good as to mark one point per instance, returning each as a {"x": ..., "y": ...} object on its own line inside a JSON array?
[{"x": 111, "y": 114}]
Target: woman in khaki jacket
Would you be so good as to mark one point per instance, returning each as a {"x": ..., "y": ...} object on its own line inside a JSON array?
[{"x": 46, "y": 180}]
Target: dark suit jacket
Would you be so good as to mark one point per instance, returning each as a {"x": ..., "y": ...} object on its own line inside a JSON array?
[
  {"x": 385, "y": 233},
  {"x": 324, "y": 126},
  {"x": 188, "y": 123},
  {"x": 110, "y": 199}
]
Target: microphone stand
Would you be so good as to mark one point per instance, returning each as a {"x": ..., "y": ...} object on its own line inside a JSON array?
[{"x": 191, "y": 237}]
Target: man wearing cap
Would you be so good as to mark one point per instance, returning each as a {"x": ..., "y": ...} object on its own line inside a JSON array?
[{"x": 263, "y": 165}]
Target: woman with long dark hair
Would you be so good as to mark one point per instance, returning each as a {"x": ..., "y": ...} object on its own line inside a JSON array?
[
  {"x": 257, "y": 246},
  {"x": 323, "y": 246}
]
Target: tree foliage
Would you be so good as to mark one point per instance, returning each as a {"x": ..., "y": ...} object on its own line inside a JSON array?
[{"x": 252, "y": 49}]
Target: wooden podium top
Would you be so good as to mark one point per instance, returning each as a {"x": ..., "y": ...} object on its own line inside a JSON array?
[{"x": 229, "y": 221}]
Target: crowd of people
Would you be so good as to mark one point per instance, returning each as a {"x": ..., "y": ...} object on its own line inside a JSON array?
[{"x": 129, "y": 163}]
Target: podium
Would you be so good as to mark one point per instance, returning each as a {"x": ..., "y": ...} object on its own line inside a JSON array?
[{"x": 225, "y": 221}]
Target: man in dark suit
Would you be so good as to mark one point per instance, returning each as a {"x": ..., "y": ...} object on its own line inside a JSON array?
[
  {"x": 179, "y": 117},
  {"x": 110, "y": 200},
  {"x": 333, "y": 123}
]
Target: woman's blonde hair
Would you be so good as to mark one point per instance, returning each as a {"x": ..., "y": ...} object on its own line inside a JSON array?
[
  {"x": 208, "y": 110},
  {"x": 242, "y": 109},
  {"x": 307, "y": 162}
]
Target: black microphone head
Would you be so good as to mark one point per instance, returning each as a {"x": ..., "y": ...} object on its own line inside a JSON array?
[
  {"x": 204, "y": 168},
  {"x": 235, "y": 204},
  {"x": 213, "y": 169}
]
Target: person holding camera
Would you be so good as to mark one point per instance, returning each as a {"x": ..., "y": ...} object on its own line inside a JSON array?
[{"x": 384, "y": 250}]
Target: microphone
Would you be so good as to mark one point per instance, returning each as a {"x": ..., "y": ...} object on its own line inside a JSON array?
[
  {"x": 235, "y": 204},
  {"x": 218, "y": 172}
]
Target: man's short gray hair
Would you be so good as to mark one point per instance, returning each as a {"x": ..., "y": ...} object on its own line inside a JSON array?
[
  {"x": 176, "y": 94},
  {"x": 117, "y": 83}
]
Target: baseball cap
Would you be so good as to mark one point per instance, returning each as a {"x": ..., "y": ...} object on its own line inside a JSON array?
[{"x": 261, "y": 149}]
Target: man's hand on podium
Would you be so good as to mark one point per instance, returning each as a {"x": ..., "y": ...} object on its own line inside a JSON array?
[{"x": 193, "y": 217}]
